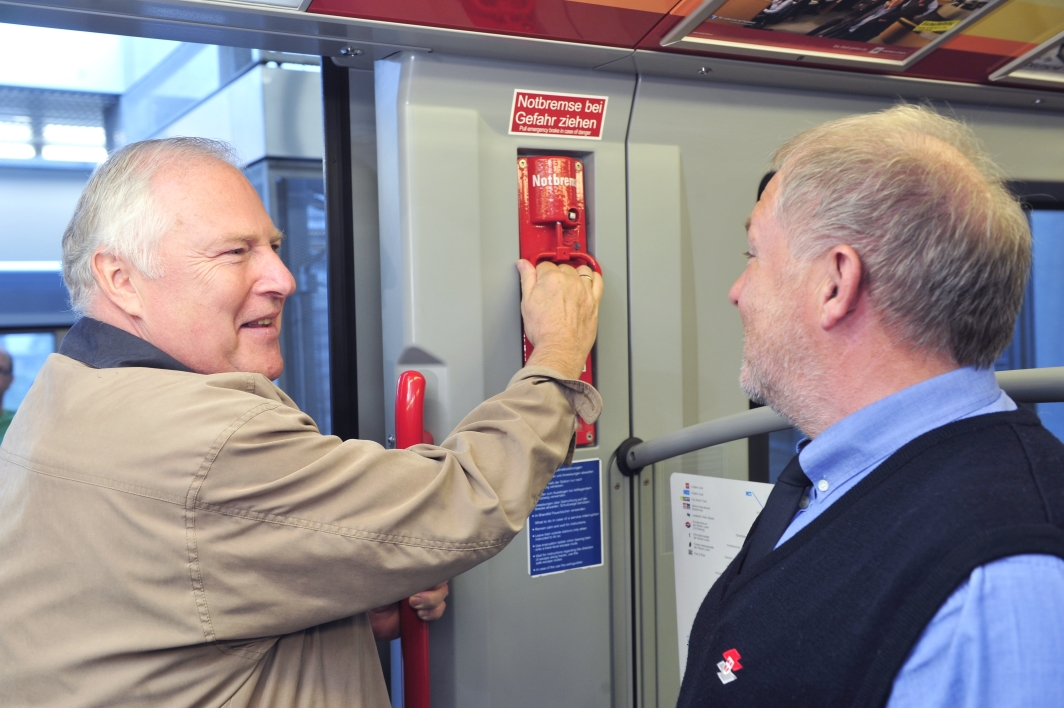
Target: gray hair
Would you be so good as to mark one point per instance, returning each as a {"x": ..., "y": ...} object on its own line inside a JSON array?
[
  {"x": 945, "y": 248},
  {"x": 118, "y": 212}
]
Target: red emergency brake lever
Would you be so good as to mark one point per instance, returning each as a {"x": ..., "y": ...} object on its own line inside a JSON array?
[
  {"x": 552, "y": 226},
  {"x": 564, "y": 254},
  {"x": 413, "y": 631}
]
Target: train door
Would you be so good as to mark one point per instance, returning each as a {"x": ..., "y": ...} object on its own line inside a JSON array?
[{"x": 450, "y": 149}]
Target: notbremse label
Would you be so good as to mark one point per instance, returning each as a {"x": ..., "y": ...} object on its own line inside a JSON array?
[{"x": 558, "y": 114}]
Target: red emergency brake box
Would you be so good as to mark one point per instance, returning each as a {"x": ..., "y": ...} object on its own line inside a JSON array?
[{"x": 553, "y": 226}]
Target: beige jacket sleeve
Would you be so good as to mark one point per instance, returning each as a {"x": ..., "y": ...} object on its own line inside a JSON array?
[{"x": 289, "y": 528}]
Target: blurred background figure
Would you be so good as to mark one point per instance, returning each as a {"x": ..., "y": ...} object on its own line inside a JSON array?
[{"x": 7, "y": 375}]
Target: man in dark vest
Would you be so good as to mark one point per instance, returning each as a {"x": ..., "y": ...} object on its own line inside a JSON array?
[{"x": 912, "y": 553}]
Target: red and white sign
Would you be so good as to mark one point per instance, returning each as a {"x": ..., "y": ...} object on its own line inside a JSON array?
[{"x": 562, "y": 115}]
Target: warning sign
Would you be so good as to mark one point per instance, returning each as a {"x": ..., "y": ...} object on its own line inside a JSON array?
[
  {"x": 563, "y": 115},
  {"x": 565, "y": 529}
]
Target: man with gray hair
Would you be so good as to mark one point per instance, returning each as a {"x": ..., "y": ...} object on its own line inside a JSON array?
[
  {"x": 175, "y": 532},
  {"x": 912, "y": 553}
]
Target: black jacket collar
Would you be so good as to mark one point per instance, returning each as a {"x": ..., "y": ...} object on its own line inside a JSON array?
[{"x": 103, "y": 346}]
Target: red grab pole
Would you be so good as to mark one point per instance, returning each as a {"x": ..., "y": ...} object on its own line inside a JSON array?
[{"x": 413, "y": 631}]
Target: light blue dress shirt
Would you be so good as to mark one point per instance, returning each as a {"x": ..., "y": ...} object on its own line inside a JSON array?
[{"x": 998, "y": 641}]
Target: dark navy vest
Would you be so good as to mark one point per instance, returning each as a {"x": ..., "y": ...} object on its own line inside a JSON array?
[{"x": 829, "y": 617}]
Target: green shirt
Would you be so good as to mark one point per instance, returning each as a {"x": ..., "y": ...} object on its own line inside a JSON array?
[{"x": 5, "y": 420}]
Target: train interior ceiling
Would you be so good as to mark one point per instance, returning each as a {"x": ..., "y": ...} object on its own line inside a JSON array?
[{"x": 386, "y": 140}]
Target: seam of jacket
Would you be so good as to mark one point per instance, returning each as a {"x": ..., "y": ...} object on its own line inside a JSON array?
[
  {"x": 147, "y": 492},
  {"x": 191, "y": 504},
  {"x": 245, "y": 650},
  {"x": 94, "y": 480},
  {"x": 240, "y": 512},
  {"x": 538, "y": 379},
  {"x": 323, "y": 527}
]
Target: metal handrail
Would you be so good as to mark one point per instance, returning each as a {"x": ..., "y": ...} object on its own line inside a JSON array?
[{"x": 1022, "y": 385}]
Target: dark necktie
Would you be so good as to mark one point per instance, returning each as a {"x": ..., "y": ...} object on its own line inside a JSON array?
[{"x": 779, "y": 510}]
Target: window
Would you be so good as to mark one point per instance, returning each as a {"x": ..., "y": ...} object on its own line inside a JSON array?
[
  {"x": 1044, "y": 306},
  {"x": 28, "y": 351}
]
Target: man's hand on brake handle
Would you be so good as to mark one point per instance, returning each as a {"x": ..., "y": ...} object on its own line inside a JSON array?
[{"x": 560, "y": 305}]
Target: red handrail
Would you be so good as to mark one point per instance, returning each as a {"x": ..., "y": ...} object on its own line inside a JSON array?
[{"x": 413, "y": 631}]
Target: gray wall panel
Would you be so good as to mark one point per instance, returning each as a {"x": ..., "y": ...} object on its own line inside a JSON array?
[
  {"x": 368, "y": 320},
  {"x": 451, "y": 303}
]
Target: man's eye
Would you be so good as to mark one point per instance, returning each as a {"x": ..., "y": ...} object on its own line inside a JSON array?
[{"x": 236, "y": 252}]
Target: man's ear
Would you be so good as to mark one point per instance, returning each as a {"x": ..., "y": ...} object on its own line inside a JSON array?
[
  {"x": 112, "y": 275},
  {"x": 842, "y": 287}
]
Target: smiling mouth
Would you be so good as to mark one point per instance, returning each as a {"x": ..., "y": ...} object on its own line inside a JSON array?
[{"x": 259, "y": 324}]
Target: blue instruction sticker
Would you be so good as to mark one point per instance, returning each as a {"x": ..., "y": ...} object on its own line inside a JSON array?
[{"x": 565, "y": 529}]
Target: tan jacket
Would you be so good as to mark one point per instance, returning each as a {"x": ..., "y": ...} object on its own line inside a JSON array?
[{"x": 175, "y": 539}]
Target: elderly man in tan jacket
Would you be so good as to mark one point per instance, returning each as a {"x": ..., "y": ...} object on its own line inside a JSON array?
[{"x": 174, "y": 531}]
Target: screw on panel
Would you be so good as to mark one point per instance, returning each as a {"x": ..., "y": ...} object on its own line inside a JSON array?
[
  {"x": 521, "y": 162},
  {"x": 799, "y": 57},
  {"x": 646, "y": 482},
  {"x": 616, "y": 485},
  {"x": 579, "y": 165},
  {"x": 703, "y": 71},
  {"x": 350, "y": 52},
  {"x": 1038, "y": 101}
]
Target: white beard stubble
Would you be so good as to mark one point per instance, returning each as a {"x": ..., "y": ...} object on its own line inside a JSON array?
[{"x": 778, "y": 367}]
